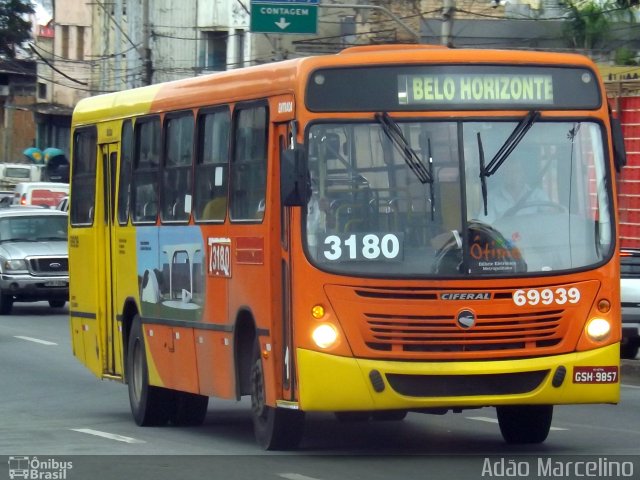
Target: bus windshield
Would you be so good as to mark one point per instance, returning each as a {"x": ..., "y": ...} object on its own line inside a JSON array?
[{"x": 415, "y": 198}]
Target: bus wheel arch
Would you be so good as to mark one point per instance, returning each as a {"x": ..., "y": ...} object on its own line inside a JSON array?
[
  {"x": 129, "y": 312},
  {"x": 245, "y": 336},
  {"x": 150, "y": 405},
  {"x": 274, "y": 428}
]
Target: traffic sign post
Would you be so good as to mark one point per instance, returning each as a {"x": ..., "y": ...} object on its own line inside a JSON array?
[{"x": 284, "y": 16}]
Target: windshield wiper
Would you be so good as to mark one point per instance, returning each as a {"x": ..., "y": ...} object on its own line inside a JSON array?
[
  {"x": 510, "y": 144},
  {"x": 431, "y": 193},
  {"x": 411, "y": 158},
  {"x": 483, "y": 177}
]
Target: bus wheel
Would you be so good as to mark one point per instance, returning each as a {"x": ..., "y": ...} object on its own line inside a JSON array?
[
  {"x": 349, "y": 417},
  {"x": 6, "y": 304},
  {"x": 389, "y": 415},
  {"x": 189, "y": 409},
  {"x": 274, "y": 428},
  {"x": 525, "y": 423},
  {"x": 629, "y": 350},
  {"x": 149, "y": 405}
]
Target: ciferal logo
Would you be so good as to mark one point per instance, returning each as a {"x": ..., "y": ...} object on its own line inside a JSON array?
[
  {"x": 466, "y": 319},
  {"x": 465, "y": 296}
]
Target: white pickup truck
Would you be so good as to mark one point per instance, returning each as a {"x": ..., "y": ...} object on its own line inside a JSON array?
[{"x": 13, "y": 173}]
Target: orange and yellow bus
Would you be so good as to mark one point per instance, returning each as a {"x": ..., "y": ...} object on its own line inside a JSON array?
[{"x": 385, "y": 230}]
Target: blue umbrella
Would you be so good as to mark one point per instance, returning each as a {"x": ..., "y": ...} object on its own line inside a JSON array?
[
  {"x": 33, "y": 154},
  {"x": 50, "y": 153}
]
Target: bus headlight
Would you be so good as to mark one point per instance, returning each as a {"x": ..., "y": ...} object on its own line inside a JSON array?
[
  {"x": 325, "y": 335},
  {"x": 598, "y": 329}
]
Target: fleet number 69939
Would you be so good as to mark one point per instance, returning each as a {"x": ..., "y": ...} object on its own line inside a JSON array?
[{"x": 546, "y": 296}]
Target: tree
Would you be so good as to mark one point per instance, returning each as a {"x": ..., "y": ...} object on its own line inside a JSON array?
[
  {"x": 14, "y": 26},
  {"x": 589, "y": 22}
]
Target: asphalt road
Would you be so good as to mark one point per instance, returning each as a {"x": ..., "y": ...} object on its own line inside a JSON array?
[{"x": 55, "y": 410}]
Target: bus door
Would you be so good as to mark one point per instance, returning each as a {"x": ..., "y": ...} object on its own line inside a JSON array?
[
  {"x": 283, "y": 134},
  {"x": 105, "y": 233}
]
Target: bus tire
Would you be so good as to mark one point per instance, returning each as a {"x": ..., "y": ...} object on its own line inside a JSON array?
[
  {"x": 520, "y": 424},
  {"x": 389, "y": 415},
  {"x": 189, "y": 409},
  {"x": 6, "y": 304},
  {"x": 150, "y": 406},
  {"x": 629, "y": 350},
  {"x": 352, "y": 417},
  {"x": 274, "y": 428}
]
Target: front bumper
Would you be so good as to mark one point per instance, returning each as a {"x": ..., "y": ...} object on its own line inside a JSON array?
[
  {"x": 29, "y": 287},
  {"x": 332, "y": 383}
]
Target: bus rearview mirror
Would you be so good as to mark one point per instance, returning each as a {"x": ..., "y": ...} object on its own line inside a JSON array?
[{"x": 295, "y": 185}]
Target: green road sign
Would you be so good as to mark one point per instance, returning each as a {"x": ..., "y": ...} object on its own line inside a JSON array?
[{"x": 284, "y": 17}]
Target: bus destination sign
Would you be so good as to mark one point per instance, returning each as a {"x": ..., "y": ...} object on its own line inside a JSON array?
[
  {"x": 452, "y": 87},
  {"x": 481, "y": 88}
]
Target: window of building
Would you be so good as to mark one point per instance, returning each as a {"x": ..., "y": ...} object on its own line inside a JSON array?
[
  {"x": 80, "y": 43},
  {"x": 42, "y": 90},
  {"x": 239, "y": 39},
  {"x": 176, "y": 175},
  {"x": 249, "y": 164},
  {"x": 212, "y": 165},
  {"x": 146, "y": 163},
  {"x": 215, "y": 54},
  {"x": 64, "y": 46}
]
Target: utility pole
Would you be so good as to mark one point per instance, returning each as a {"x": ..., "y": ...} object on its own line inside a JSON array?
[
  {"x": 448, "y": 11},
  {"x": 147, "y": 73}
]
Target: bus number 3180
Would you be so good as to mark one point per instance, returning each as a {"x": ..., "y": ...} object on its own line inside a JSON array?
[{"x": 369, "y": 246}]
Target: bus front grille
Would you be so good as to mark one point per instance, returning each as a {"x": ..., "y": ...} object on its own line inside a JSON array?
[
  {"x": 441, "y": 334},
  {"x": 460, "y": 323}
]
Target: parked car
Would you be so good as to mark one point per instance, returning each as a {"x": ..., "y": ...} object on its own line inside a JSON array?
[
  {"x": 630, "y": 299},
  {"x": 63, "y": 204},
  {"x": 6, "y": 197},
  {"x": 40, "y": 193},
  {"x": 34, "y": 256}
]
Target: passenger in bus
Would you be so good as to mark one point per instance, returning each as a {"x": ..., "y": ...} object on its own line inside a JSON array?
[
  {"x": 215, "y": 209},
  {"x": 512, "y": 191}
]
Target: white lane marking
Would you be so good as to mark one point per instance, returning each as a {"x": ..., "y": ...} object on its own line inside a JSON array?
[
  {"x": 624, "y": 385},
  {"x": 110, "y": 436},
  {"x": 495, "y": 420},
  {"x": 296, "y": 476},
  {"x": 36, "y": 340}
]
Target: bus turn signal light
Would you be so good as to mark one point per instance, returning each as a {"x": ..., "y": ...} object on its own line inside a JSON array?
[
  {"x": 604, "y": 305},
  {"x": 317, "y": 311}
]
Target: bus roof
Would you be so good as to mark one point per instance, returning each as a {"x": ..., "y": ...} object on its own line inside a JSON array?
[{"x": 284, "y": 77}]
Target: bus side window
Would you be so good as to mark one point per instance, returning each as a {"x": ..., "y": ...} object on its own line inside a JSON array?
[
  {"x": 249, "y": 165},
  {"x": 176, "y": 175},
  {"x": 84, "y": 177},
  {"x": 211, "y": 179},
  {"x": 145, "y": 174},
  {"x": 124, "y": 187}
]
